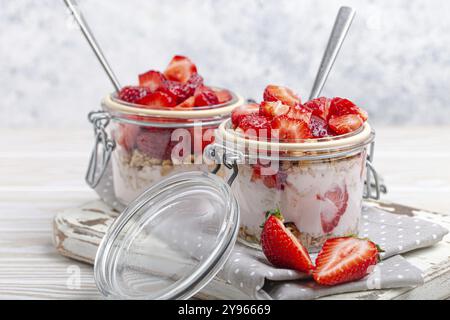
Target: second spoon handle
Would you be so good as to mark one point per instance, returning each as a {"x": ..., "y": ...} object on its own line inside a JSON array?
[
  {"x": 341, "y": 26},
  {"x": 71, "y": 4}
]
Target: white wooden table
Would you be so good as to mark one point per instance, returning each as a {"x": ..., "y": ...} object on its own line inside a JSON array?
[{"x": 42, "y": 172}]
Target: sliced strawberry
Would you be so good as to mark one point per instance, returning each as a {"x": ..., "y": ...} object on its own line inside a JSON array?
[
  {"x": 255, "y": 125},
  {"x": 283, "y": 94},
  {"x": 345, "y": 123},
  {"x": 223, "y": 95},
  {"x": 158, "y": 99},
  {"x": 205, "y": 96},
  {"x": 180, "y": 69},
  {"x": 189, "y": 103},
  {"x": 340, "y": 107},
  {"x": 282, "y": 248},
  {"x": 334, "y": 204},
  {"x": 345, "y": 259},
  {"x": 318, "y": 127},
  {"x": 300, "y": 113},
  {"x": 175, "y": 89},
  {"x": 127, "y": 134},
  {"x": 291, "y": 129},
  {"x": 194, "y": 82},
  {"x": 238, "y": 113},
  {"x": 270, "y": 109},
  {"x": 152, "y": 80},
  {"x": 132, "y": 93},
  {"x": 320, "y": 107},
  {"x": 154, "y": 142}
]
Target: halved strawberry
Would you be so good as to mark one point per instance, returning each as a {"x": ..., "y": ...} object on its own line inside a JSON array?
[
  {"x": 318, "y": 127},
  {"x": 333, "y": 205},
  {"x": 133, "y": 93},
  {"x": 180, "y": 69},
  {"x": 291, "y": 129},
  {"x": 158, "y": 99},
  {"x": 340, "y": 107},
  {"x": 283, "y": 94},
  {"x": 127, "y": 134},
  {"x": 345, "y": 123},
  {"x": 152, "y": 80},
  {"x": 238, "y": 113},
  {"x": 255, "y": 125},
  {"x": 300, "y": 113},
  {"x": 282, "y": 248},
  {"x": 205, "y": 96},
  {"x": 154, "y": 142},
  {"x": 270, "y": 109},
  {"x": 223, "y": 95},
  {"x": 320, "y": 107},
  {"x": 345, "y": 259}
]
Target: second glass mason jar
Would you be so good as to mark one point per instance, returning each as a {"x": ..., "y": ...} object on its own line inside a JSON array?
[
  {"x": 317, "y": 185},
  {"x": 151, "y": 143}
]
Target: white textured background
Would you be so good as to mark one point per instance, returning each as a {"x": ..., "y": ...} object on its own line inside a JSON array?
[{"x": 395, "y": 62}]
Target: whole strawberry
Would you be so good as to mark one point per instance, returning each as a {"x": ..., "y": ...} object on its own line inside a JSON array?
[
  {"x": 345, "y": 259},
  {"x": 281, "y": 247}
]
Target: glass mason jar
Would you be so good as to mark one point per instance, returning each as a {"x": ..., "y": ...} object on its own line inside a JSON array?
[
  {"x": 317, "y": 185},
  {"x": 152, "y": 143}
]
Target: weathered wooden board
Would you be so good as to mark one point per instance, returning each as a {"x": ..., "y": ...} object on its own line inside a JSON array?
[{"x": 78, "y": 232}]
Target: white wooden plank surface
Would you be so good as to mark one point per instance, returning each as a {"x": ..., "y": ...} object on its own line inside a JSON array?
[{"x": 42, "y": 171}]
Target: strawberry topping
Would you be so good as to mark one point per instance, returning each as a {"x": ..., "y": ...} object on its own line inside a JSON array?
[
  {"x": 345, "y": 123},
  {"x": 282, "y": 248},
  {"x": 241, "y": 111},
  {"x": 153, "y": 80},
  {"x": 180, "y": 69},
  {"x": 132, "y": 94},
  {"x": 345, "y": 259},
  {"x": 320, "y": 107},
  {"x": 158, "y": 99},
  {"x": 205, "y": 96},
  {"x": 291, "y": 129},
  {"x": 283, "y": 94},
  {"x": 270, "y": 109}
]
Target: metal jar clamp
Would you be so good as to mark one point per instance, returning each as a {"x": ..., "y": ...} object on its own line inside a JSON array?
[{"x": 103, "y": 145}]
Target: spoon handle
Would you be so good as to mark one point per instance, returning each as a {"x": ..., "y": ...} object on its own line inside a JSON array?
[
  {"x": 71, "y": 4},
  {"x": 341, "y": 26}
]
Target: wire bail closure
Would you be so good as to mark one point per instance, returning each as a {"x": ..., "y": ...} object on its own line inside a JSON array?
[
  {"x": 98, "y": 165},
  {"x": 229, "y": 159}
]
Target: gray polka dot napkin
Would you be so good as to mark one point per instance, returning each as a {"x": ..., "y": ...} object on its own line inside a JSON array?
[{"x": 248, "y": 269}]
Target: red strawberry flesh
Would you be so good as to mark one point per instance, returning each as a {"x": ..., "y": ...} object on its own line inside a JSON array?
[
  {"x": 334, "y": 204},
  {"x": 158, "y": 99},
  {"x": 270, "y": 109},
  {"x": 180, "y": 69},
  {"x": 133, "y": 93},
  {"x": 283, "y": 94},
  {"x": 291, "y": 130},
  {"x": 205, "y": 96},
  {"x": 152, "y": 80},
  {"x": 345, "y": 123},
  {"x": 320, "y": 107},
  {"x": 344, "y": 259},
  {"x": 238, "y": 113}
]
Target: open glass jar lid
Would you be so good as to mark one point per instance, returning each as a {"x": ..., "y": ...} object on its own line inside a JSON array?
[{"x": 171, "y": 241}]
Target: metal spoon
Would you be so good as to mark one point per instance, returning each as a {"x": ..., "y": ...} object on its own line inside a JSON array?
[
  {"x": 341, "y": 26},
  {"x": 72, "y": 5}
]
